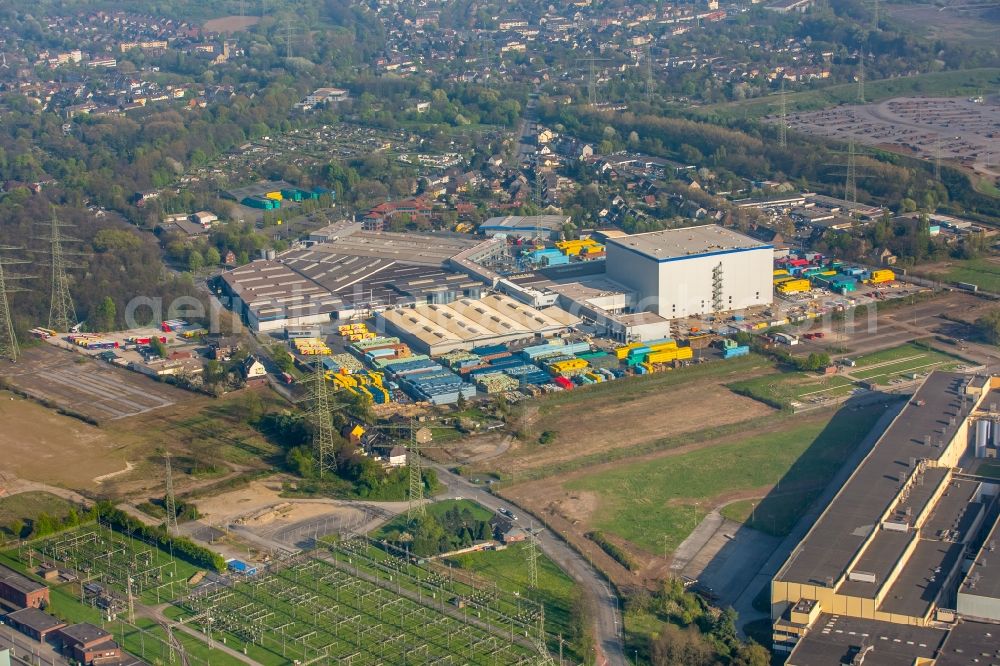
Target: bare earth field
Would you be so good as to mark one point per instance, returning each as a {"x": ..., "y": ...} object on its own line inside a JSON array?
[
  {"x": 87, "y": 387},
  {"x": 584, "y": 429},
  {"x": 140, "y": 419},
  {"x": 230, "y": 23},
  {"x": 968, "y": 22},
  {"x": 43, "y": 445}
]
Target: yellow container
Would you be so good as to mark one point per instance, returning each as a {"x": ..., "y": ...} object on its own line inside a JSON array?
[
  {"x": 276, "y": 196},
  {"x": 882, "y": 275},
  {"x": 779, "y": 272},
  {"x": 569, "y": 365},
  {"x": 573, "y": 248},
  {"x": 622, "y": 352},
  {"x": 794, "y": 286}
]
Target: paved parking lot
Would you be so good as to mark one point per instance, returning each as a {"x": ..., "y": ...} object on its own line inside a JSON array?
[{"x": 957, "y": 130}]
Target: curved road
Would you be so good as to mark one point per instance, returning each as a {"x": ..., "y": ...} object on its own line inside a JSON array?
[{"x": 602, "y": 599}]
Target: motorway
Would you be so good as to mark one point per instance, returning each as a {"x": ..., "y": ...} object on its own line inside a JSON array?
[{"x": 604, "y": 604}]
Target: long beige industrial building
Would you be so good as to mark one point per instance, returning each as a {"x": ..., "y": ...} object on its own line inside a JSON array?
[
  {"x": 882, "y": 573},
  {"x": 466, "y": 323}
]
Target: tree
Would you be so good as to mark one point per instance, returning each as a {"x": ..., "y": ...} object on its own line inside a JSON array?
[
  {"x": 681, "y": 647},
  {"x": 158, "y": 347},
  {"x": 195, "y": 261},
  {"x": 104, "y": 315},
  {"x": 212, "y": 257},
  {"x": 989, "y": 326},
  {"x": 213, "y": 372},
  {"x": 300, "y": 460},
  {"x": 751, "y": 654}
]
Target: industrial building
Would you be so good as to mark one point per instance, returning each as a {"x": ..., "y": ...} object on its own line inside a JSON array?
[
  {"x": 466, "y": 323},
  {"x": 33, "y": 622},
  {"x": 547, "y": 227},
  {"x": 898, "y": 568},
  {"x": 21, "y": 591},
  {"x": 353, "y": 274},
  {"x": 692, "y": 271},
  {"x": 583, "y": 289}
]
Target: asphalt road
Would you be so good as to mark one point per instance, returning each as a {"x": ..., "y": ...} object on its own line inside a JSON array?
[{"x": 602, "y": 599}]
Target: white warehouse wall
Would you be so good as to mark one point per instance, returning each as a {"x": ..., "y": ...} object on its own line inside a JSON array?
[{"x": 681, "y": 287}]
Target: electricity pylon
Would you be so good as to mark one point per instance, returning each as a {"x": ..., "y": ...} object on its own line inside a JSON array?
[
  {"x": 783, "y": 127},
  {"x": 648, "y": 63},
  {"x": 851, "y": 183},
  {"x": 288, "y": 37},
  {"x": 861, "y": 77},
  {"x": 62, "y": 313},
  {"x": 592, "y": 79},
  {"x": 416, "y": 494},
  {"x": 322, "y": 422},
  {"x": 169, "y": 501},
  {"x": 9, "y": 347},
  {"x": 532, "y": 555}
]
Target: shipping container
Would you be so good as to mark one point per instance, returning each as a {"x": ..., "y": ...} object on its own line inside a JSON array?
[{"x": 882, "y": 276}]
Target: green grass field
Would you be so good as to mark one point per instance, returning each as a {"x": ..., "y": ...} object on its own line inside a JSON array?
[
  {"x": 788, "y": 387},
  {"x": 655, "y": 504},
  {"x": 27, "y": 506},
  {"x": 982, "y": 272},
  {"x": 556, "y": 591},
  {"x": 882, "y": 367},
  {"x": 937, "y": 84},
  {"x": 887, "y": 365}
]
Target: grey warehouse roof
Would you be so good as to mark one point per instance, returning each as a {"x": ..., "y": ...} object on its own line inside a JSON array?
[{"x": 690, "y": 241}]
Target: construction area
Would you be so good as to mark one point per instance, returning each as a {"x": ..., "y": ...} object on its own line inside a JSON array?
[
  {"x": 358, "y": 604},
  {"x": 94, "y": 390},
  {"x": 957, "y": 130}
]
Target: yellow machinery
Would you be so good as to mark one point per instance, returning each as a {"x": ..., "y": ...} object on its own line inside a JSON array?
[
  {"x": 368, "y": 384},
  {"x": 794, "y": 286}
]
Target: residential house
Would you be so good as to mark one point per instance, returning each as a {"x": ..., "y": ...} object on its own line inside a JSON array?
[{"x": 253, "y": 370}]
